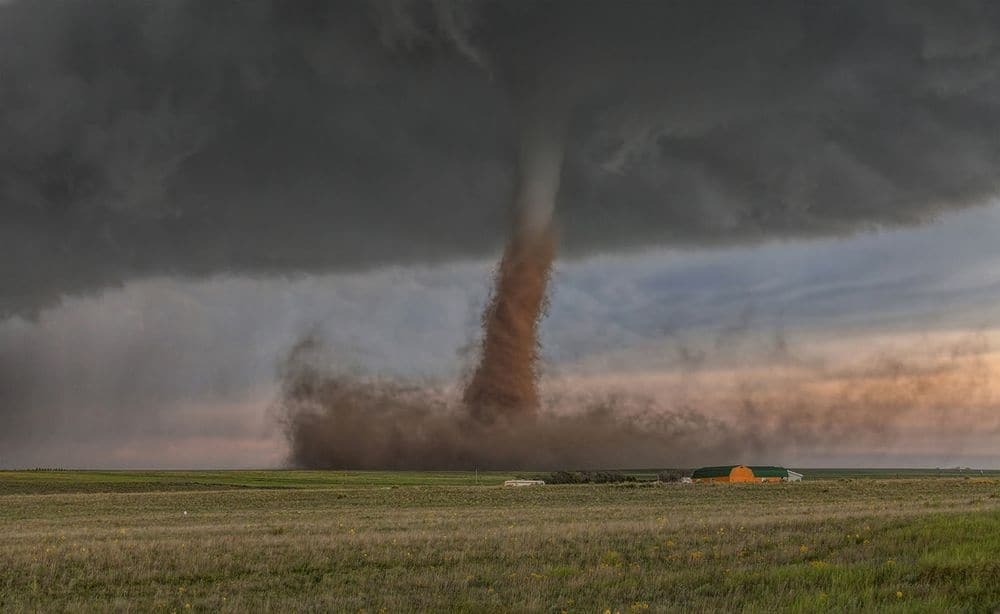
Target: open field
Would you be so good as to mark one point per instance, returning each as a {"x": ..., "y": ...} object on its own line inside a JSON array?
[
  {"x": 374, "y": 541},
  {"x": 53, "y": 481},
  {"x": 49, "y": 481}
]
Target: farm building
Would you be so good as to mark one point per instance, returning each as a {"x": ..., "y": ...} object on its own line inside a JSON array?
[
  {"x": 524, "y": 482},
  {"x": 745, "y": 473}
]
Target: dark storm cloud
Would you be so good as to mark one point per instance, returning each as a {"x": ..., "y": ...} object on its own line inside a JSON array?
[{"x": 196, "y": 138}]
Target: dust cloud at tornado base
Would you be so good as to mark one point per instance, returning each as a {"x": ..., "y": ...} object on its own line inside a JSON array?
[{"x": 789, "y": 409}]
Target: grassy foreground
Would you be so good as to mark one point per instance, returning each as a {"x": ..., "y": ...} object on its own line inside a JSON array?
[{"x": 378, "y": 541}]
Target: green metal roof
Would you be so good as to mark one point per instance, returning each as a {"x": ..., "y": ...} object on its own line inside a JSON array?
[
  {"x": 768, "y": 472},
  {"x": 721, "y": 471}
]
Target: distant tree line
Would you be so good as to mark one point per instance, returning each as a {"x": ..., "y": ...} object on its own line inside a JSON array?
[{"x": 610, "y": 477}]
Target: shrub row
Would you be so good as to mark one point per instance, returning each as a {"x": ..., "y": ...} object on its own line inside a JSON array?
[
  {"x": 588, "y": 477},
  {"x": 607, "y": 477}
]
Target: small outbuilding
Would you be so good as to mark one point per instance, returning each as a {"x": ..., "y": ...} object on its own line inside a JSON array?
[
  {"x": 745, "y": 473},
  {"x": 524, "y": 482}
]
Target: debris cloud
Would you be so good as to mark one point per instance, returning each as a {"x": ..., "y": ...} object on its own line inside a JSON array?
[
  {"x": 779, "y": 414},
  {"x": 505, "y": 383}
]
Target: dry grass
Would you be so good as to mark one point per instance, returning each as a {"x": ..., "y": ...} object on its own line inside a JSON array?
[{"x": 906, "y": 545}]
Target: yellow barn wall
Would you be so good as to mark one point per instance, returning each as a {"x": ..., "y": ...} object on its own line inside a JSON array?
[{"x": 742, "y": 473}]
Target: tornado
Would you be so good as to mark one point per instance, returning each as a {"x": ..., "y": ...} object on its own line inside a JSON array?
[{"x": 504, "y": 385}]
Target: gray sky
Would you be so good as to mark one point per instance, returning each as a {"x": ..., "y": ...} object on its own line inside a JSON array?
[{"x": 187, "y": 189}]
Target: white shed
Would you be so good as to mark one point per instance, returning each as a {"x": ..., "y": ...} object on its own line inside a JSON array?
[{"x": 524, "y": 482}]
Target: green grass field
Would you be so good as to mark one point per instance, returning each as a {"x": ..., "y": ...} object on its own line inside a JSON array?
[{"x": 889, "y": 540}]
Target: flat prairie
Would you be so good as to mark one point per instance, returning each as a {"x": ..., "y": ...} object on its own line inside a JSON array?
[{"x": 242, "y": 541}]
